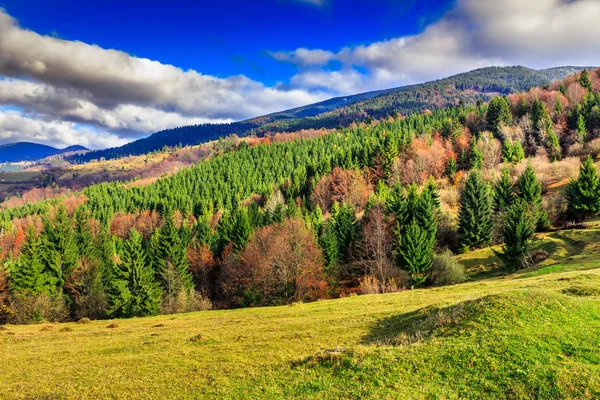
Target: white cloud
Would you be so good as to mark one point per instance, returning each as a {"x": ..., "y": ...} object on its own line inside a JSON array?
[
  {"x": 72, "y": 81},
  {"x": 14, "y": 127},
  {"x": 476, "y": 33}
]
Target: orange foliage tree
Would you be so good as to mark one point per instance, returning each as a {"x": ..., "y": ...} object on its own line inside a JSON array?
[
  {"x": 341, "y": 186},
  {"x": 282, "y": 263}
]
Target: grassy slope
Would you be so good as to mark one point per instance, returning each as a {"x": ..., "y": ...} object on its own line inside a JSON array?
[{"x": 529, "y": 335}]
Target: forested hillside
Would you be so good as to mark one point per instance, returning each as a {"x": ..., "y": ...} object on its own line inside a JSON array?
[
  {"x": 467, "y": 89},
  {"x": 370, "y": 208}
]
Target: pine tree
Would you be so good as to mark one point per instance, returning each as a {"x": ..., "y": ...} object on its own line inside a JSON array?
[
  {"x": 171, "y": 253},
  {"x": 474, "y": 216},
  {"x": 530, "y": 191},
  {"x": 415, "y": 252},
  {"x": 498, "y": 113},
  {"x": 584, "y": 80},
  {"x": 346, "y": 229},
  {"x": 104, "y": 251},
  {"x": 581, "y": 129},
  {"x": 553, "y": 144},
  {"x": 134, "y": 291},
  {"x": 451, "y": 169},
  {"x": 29, "y": 274},
  {"x": 558, "y": 108},
  {"x": 517, "y": 229},
  {"x": 503, "y": 191},
  {"x": 416, "y": 228},
  {"x": 583, "y": 194},
  {"x": 242, "y": 228},
  {"x": 476, "y": 156}
]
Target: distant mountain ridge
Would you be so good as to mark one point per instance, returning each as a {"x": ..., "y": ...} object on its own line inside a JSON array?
[
  {"x": 467, "y": 88},
  {"x": 27, "y": 151}
]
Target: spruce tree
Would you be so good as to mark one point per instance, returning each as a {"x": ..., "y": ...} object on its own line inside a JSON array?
[
  {"x": 416, "y": 228},
  {"x": 474, "y": 215},
  {"x": 476, "y": 156},
  {"x": 581, "y": 129},
  {"x": 498, "y": 113},
  {"x": 583, "y": 194},
  {"x": 584, "y": 80},
  {"x": 530, "y": 191},
  {"x": 503, "y": 191},
  {"x": 345, "y": 229},
  {"x": 29, "y": 275},
  {"x": 517, "y": 229},
  {"x": 415, "y": 252},
  {"x": 242, "y": 228},
  {"x": 171, "y": 253},
  {"x": 134, "y": 292}
]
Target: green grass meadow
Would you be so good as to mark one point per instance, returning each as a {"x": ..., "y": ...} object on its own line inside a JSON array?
[{"x": 532, "y": 335}]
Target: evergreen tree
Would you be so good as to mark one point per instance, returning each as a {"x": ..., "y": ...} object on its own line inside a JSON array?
[
  {"x": 553, "y": 145},
  {"x": 583, "y": 194},
  {"x": 517, "y": 229},
  {"x": 104, "y": 251},
  {"x": 242, "y": 228},
  {"x": 503, "y": 191},
  {"x": 512, "y": 152},
  {"x": 415, "y": 252},
  {"x": 170, "y": 252},
  {"x": 581, "y": 129},
  {"x": 558, "y": 108},
  {"x": 451, "y": 169},
  {"x": 530, "y": 191},
  {"x": 584, "y": 79},
  {"x": 60, "y": 251},
  {"x": 345, "y": 229},
  {"x": 474, "y": 216},
  {"x": 498, "y": 114},
  {"x": 134, "y": 291},
  {"x": 29, "y": 274},
  {"x": 416, "y": 228},
  {"x": 476, "y": 159}
]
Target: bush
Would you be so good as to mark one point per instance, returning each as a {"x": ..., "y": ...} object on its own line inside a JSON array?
[
  {"x": 185, "y": 301},
  {"x": 446, "y": 270},
  {"x": 34, "y": 309},
  {"x": 371, "y": 285}
]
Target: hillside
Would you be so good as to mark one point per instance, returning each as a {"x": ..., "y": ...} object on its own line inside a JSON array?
[
  {"x": 466, "y": 88},
  {"x": 523, "y": 336},
  {"x": 26, "y": 151}
]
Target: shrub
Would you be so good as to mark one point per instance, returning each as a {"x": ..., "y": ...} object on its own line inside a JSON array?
[
  {"x": 371, "y": 285},
  {"x": 185, "y": 301},
  {"x": 446, "y": 270},
  {"x": 34, "y": 309}
]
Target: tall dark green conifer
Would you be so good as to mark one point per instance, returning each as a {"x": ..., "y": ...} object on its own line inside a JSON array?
[
  {"x": 134, "y": 292},
  {"x": 171, "y": 254},
  {"x": 498, "y": 114},
  {"x": 474, "y": 215},
  {"x": 503, "y": 191},
  {"x": 583, "y": 193},
  {"x": 29, "y": 275},
  {"x": 584, "y": 79},
  {"x": 517, "y": 229},
  {"x": 530, "y": 191}
]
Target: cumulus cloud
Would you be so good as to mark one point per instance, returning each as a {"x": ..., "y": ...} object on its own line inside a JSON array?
[
  {"x": 305, "y": 57},
  {"x": 14, "y": 127},
  {"x": 476, "y": 33},
  {"x": 73, "y": 81}
]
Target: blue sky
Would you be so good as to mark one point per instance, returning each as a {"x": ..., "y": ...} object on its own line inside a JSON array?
[
  {"x": 225, "y": 37},
  {"x": 102, "y": 73}
]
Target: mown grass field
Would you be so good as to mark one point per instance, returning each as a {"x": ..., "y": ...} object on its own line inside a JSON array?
[{"x": 535, "y": 334}]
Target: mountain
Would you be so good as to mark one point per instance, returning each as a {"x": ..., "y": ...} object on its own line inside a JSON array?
[
  {"x": 465, "y": 88},
  {"x": 27, "y": 151}
]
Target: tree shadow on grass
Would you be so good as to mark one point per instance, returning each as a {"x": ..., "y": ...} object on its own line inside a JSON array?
[{"x": 416, "y": 325}]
